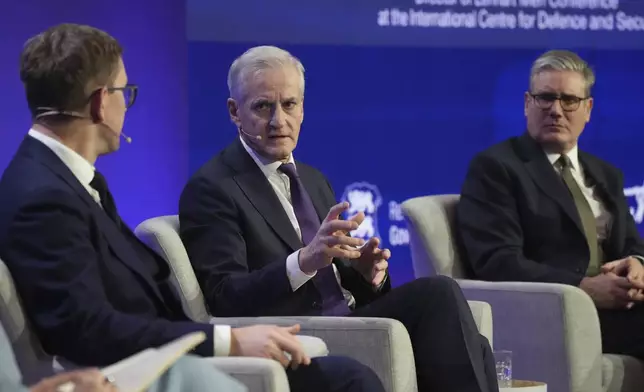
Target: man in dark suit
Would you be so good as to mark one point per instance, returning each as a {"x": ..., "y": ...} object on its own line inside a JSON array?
[
  {"x": 536, "y": 208},
  {"x": 94, "y": 293},
  {"x": 264, "y": 234}
]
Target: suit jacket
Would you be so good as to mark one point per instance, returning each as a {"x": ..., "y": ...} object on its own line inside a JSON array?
[
  {"x": 238, "y": 237},
  {"x": 92, "y": 291},
  {"x": 517, "y": 220}
]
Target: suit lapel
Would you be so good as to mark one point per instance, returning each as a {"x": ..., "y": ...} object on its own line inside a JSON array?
[
  {"x": 252, "y": 181},
  {"x": 115, "y": 239},
  {"x": 546, "y": 178}
]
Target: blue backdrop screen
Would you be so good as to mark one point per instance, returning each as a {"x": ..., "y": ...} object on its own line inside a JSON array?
[{"x": 436, "y": 23}]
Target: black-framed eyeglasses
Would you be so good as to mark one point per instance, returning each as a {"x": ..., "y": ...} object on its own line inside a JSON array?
[
  {"x": 569, "y": 103},
  {"x": 129, "y": 91}
]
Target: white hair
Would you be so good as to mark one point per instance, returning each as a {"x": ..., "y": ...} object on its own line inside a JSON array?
[
  {"x": 563, "y": 60},
  {"x": 257, "y": 59}
]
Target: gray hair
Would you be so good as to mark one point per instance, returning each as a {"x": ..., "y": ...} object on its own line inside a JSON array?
[
  {"x": 563, "y": 60},
  {"x": 257, "y": 59}
]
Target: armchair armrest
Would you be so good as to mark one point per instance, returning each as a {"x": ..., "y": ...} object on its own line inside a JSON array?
[
  {"x": 551, "y": 329},
  {"x": 257, "y": 374},
  {"x": 482, "y": 313},
  {"x": 382, "y": 344}
]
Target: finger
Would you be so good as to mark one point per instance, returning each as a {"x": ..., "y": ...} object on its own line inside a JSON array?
[
  {"x": 380, "y": 276},
  {"x": 636, "y": 295},
  {"x": 340, "y": 253},
  {"x": 621, "y": 296},
  {"x": 637, "y": 282},
  {"x": 358, "y": 218},
  {"x": 381, "y": 266},
  {"x": 335, "y": 211},
  {"x": 287, "y": 342},
  {"x": 277, "y": 354},
  {"x": 372, "y": 244},
  {"x": 623, "y": 283},
  {"x": 633, "y": 274},
  {"x": 632, "y": 293},
  {"x": 338, "y": 225},
  {"x": 386, "y": 254},
  {"x": 609, "y": 266},
  {"x": 60, "y": 381},
  {"x": 293, "y": 329},
  {"x": 90, "y": 377},
  {"x": 333, "y": 240},
  {"x": 300, "y": 356}
]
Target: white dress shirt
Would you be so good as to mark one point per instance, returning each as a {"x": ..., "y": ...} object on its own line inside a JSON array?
[
  {"x": 84, "y": 172},
  {"x": 281, "y": 184},
  {"x": 602, "y": 216}
]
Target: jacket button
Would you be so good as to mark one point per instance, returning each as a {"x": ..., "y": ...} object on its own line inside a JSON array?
[
  {"x": 578, "y": 270},
  {"x": 316, "y": 305}
]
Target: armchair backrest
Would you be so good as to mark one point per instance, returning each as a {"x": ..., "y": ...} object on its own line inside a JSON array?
[
  {"x": 34, "y": 363},
  {"x": 432, "y": 237},
  {"x": 162, "y": 235}
]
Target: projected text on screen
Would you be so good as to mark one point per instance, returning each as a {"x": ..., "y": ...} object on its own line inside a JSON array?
[{"x": 607, "y": 24}]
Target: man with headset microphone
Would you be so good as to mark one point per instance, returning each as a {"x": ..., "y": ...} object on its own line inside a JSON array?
[{"x": 92, "y": 291}]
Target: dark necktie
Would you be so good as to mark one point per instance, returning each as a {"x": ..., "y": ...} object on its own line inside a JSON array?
[
  {"x": 588, "y": 221},
  {"x": 333, "y": 301},
  {"x": 107, "y": 201}
]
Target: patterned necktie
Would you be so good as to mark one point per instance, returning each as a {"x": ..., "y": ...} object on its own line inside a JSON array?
[
  {"x": 588, "y": 221},
  {"x": 107, "y": 201},
  {"x": 333, "y": 301}
]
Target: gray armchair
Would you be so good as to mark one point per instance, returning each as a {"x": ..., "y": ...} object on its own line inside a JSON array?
[
  {"x": 260, "y": 375},
  {"x": 382, "y": 344},
  {"x": 552, "y": 329}
]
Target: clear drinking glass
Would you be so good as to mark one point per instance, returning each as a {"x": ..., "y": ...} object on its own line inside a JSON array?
[{"x": 503, "y": 361}]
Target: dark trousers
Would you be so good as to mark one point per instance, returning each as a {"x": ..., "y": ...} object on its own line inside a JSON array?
[
  {"x": 623, "y": 331},
  {"x": 450, "y": 354},
  {"x": 334, "y": 374}
]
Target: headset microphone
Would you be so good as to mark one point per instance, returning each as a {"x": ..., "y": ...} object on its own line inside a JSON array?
[
  {"x": 126, "y": 137},
  {"x": 256, "y": 137}
]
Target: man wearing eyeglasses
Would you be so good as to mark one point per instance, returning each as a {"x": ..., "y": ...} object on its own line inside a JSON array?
[
  {"x": 93, "y": 292},
  {"x": 536, "y": 208}
]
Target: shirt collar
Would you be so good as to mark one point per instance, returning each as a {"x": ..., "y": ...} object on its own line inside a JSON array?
[
  {"x": 573, "y": 154},
  {"x": 79, "y": 166},
  {"x": 269, "y": 167}
]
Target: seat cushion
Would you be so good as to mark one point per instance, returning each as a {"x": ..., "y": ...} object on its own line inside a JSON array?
[{"x": 622, "y": 373}]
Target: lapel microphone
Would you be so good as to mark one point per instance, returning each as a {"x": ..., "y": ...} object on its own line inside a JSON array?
[
  {"x": 126, "y": 137},
  {"x": 256, "y": 137}
]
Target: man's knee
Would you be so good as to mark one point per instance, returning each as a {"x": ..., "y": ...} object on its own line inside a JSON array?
[{"x": 436, "y": 285}]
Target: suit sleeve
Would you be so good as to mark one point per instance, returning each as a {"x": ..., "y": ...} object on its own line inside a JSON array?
[
  {"x": 51, "y": 256},
  {"x": 490, "y": 228},
  {"x": 633, "y": 244},
  {"x": 363, "y": 292},
  {"x": 211, "y": 232}
]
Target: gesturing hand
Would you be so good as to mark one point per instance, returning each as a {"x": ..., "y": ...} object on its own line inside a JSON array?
[
  {"x": 327, "y": 244},
  {"x": 373, "y": 262}
]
